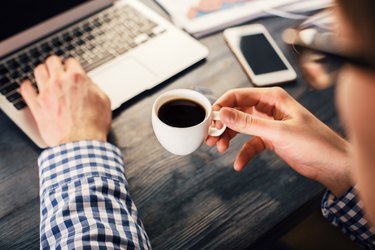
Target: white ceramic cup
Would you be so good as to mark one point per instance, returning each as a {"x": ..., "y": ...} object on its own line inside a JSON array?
[{"x": 183, "y": 141}]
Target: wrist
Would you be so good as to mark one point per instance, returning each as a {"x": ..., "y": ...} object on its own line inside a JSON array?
[
  {"x": 86, "y": 136},
  {"x": 336, "y": 176}
]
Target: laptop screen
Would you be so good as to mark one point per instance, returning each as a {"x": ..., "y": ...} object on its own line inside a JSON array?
[{"x": 19, "y": 15}]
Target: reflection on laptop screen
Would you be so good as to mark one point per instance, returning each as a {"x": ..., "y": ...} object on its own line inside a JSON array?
[{"x": 19, "y": 15}]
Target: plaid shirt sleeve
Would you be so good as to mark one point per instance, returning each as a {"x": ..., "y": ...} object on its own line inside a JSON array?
[
  {"x": 85, "y": 202},
  {"x": 346, "y": 213}
]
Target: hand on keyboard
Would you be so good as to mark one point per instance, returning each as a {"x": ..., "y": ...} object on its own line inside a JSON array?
[{"x": 68, "y": 107}]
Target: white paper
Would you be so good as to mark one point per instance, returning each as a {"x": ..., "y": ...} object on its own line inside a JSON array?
[{"x": 201, "y": 17}]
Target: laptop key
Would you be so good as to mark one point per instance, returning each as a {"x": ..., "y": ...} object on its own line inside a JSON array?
[
  {"x": 67, "y": 37},
  {"x": 12, "y": 64},
  {"x": 86, "y": 27},
  {"x": 34, "y": 53},
  {"x": 141, "y": 39},
  {"x": 90, "y": 37},
  {"x": 80, "y": 42},
  {"x": 79, "y": 52},
  {"x": 59, "y": 52},
  {"x": 46, "y": 47},
  {"x": 97, "y": 22},
  {"x": 23, "y": 58},
  {"x": 132, "y": 44},
  {"x": 90, "y": 47},
  {"x": 69, "y": 47},
  {"x": 3, "y": 70},
  {"x": 26, "y": 68},
  {"x": 15, "y": 74},
  {"x": 14, "y": 97},
  {"x": 35, "y": 62},
  {"x": 8, "y": 88},
  {"x": 99, "y": 62},
  {"x": 4, "y": 80},
  {"x": 158, "y": 30},
  {"x": 56, "y": 42},
  {"x": 20, "y": 105},
  {"x": 77, "y": 32},
  {"x": 121, "y": 50},
  {"x": 84, "y": 63}
]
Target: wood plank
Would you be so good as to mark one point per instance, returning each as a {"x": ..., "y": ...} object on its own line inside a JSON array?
[{"x": 20, "y": 229}]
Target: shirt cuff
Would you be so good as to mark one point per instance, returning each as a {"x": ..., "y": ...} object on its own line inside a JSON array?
[
  {"x": 334, "y": 208},
  {"x": 68, "y": 162},
  {"x": 346, "y": 212}
]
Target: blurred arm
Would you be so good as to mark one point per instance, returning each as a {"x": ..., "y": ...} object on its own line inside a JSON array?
[{"x": 346, "y": 213}]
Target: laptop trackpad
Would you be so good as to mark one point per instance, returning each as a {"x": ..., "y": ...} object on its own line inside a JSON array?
[{"x": 123, "y": 80}]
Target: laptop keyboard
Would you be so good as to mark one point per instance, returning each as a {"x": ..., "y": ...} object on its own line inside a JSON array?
[{"x": 94, "y": 41}]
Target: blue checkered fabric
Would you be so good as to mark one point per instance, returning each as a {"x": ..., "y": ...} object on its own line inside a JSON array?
[
  {"x": 85, "y": 202},
  {"x": 346, "y": 213}
]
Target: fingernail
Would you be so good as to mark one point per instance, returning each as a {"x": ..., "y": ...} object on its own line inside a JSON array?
[{"x": 237, "y": 168}]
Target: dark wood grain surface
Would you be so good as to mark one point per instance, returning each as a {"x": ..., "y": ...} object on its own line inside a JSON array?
[{"x": 191, "y": 202}]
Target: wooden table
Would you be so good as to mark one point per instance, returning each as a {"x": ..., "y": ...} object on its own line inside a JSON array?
[{"x": 196, "y": 201}]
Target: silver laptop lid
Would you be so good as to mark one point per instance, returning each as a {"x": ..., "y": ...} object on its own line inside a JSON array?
[{"x": 24, "y": 21}]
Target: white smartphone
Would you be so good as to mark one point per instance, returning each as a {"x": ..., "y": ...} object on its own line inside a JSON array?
[{"x": 260, "y": 57}]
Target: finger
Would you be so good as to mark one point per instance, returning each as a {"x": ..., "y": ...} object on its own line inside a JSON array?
[
  {"x": 54, "y": 66},
  {"x": 212, "y": 140},
  {"x": 41, "y": 76},
  {"x": 261, "y": 98},
  {"x": 73, "y": 66},
  {"x": 248, "y": 124},
  {"x": 30, "y": 95},
  {"x": 245, "y": 97},
  {"x": 224, "y": 141},
  {"x": 248, "y": 152}
]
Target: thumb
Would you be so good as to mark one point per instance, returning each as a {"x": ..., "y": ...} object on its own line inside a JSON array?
[{"x": 247, "y": 124}]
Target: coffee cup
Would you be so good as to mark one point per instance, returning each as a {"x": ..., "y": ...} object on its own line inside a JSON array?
[{"x": 182, "y": 119}]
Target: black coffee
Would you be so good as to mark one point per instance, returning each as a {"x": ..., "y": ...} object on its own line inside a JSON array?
[{"x": 181, "y": 113}]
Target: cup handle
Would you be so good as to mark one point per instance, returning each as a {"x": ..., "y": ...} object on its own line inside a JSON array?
[{"x": 214, "y": 131}]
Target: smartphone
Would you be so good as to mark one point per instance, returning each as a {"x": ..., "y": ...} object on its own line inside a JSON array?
[{"x": 260, "y": 57}]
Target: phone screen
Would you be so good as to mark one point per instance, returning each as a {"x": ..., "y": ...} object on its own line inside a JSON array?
[{"x": 260, "y": 55}]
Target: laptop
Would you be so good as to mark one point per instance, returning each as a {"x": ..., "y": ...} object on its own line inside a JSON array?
[{"x": 125, "y": 47}]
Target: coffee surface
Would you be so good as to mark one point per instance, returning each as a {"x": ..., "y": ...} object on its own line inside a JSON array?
[{"x": 181, "y": 113}]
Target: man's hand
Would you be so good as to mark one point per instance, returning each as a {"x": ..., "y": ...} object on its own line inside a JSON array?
[
  {"x": 280, "y": 123},
  {"x": 68, "y": 107}
]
